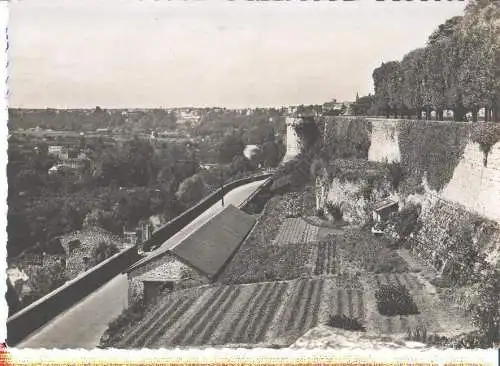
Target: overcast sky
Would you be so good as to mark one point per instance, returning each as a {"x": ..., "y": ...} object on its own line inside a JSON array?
[{"x": 114, "y": 53}]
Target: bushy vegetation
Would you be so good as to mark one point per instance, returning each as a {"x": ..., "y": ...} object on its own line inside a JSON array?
[
  {"x": 346, "y": 138},
  {"x": 443, "y": 144},
  {"x": 406, "y": 221},
  {"x": 335, "y": 210},
  {"x": 44, "y": 279},
  {"x": 102, "y": 251},
  {"x": 396, "y": 174},
  {"x": 118, "y": 326},
  {"x": 395, "y": 300},
  {"x": 469, "y": 340},
  {"x": 308, "y": 132},
  {"x": 318, "y": 168},
  {"x": 392, "y": 263},
  {"x": 344, "y": 322},
  {"x": 486, "y": 135},
  {"x": 486, "y": 312},
  {"x": 446, "y": 74},
  {"x": 359, "y": 248}
]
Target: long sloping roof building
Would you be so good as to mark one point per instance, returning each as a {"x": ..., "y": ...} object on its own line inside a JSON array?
[{"x": 210, "y": 247}]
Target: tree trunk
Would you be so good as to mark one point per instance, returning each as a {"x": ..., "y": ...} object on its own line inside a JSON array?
[
  {"x": 440, "y": 114},
  {"x": 494, "y": 110},
  {"x": 486, "y": 114},
  {"x": 474, "y": 114},
  {"x": 459, "y": 114}
]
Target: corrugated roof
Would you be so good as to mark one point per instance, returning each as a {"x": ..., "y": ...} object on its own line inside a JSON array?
[{"x": 212, "y": 245}]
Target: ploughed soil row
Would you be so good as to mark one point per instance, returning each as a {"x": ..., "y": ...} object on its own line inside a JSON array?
[{"x": 263, "y": 313}]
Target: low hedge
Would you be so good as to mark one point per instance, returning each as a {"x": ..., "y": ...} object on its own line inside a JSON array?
[{"x": 395, "y": 300}]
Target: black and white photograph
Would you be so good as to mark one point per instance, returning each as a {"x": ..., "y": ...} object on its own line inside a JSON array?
[{"x": 282, "y": 175}]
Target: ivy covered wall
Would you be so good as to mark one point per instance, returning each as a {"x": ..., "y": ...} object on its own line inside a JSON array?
[{"x": 461, "y": 161}]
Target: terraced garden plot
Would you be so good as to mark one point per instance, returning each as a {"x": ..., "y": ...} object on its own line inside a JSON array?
[
  {"x": 271, "y": 263},
  {"x": 299, "y": 204},
  {"x": 231, "y": 314},
  {"x": 359, "y": 249},
  {"x": 344, "y": 301},
  {"x": 252, "y": 324},
  {"x": 302, "y": 309},
  {"x": 200, "y": 324},
  {"x": 434, "y": 315},
  {"x": 172, "y": 308},
  {"x": 401, "y": 323},
  {"x": 406, "y": 279},
  {"x": 296, "y": 230},
  {"x": 325, "y": 259}
]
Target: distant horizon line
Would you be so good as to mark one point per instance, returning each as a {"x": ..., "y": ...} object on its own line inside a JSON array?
[{"x": 173, "y": 107}]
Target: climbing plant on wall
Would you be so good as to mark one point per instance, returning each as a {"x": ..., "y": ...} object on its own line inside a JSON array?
[
  {"x": 346, "y": 138},
  {"x": 434, "y": 151}
]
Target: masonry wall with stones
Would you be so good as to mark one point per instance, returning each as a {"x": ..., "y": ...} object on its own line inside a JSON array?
[
  {"x": 453, "y": 178},
  {"x": 441, "y": 234},
  {"x": 163, "y": 268},
  {"x": 292, "y": 140},
  {"x": 466, "y": 179}
]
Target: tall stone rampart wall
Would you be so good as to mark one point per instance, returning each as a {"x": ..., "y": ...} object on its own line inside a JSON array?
[{"x": 472, "y": 182}]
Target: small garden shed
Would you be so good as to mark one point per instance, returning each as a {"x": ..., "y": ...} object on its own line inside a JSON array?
[{"x": 383, "y": 209}]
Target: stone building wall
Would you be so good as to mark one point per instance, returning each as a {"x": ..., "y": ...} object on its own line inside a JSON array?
[
  {"x": 460, "y": 184},
  {"x": 163, "y": 268},
  {"x": 473, "y": 184},
  {"x": 292, "y": 140}
]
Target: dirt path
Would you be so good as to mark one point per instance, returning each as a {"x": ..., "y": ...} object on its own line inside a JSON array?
[{"x": 451, "y": 320}]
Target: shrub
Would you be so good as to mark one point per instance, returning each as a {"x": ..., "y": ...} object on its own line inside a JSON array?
[
  {"x": 116, "y": 327},
  {"x": 317, "y": 168},
  {"x": 460, "y": 269},
  {"x": 406, "y": 221},
  {"x": 308, "y": 132},
  {"x": 344, "y": 322},
  {"x": 467, "y": 340},
  {"x": 102, "y": 251},
  {"x": 320, "y": 213},
  {"x": 396, "y": 174},
  {"x": 367, "y": 189},
  {"x": 391, "y": 265},
  {"x": 486, "y": 313},
  {"x": 486, "y": 135},
  {"x": 418, "y": 334},
  {"x": 442, "y": 282},
  {"x": 395, "y": 300},
  {"x": 334, "y": 210}
]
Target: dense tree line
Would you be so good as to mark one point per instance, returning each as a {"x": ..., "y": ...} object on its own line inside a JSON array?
[
  {"x": 128, "y": 182},
  {"x": 90, "y": 120},
  {"x": 457, "y": 70}
]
